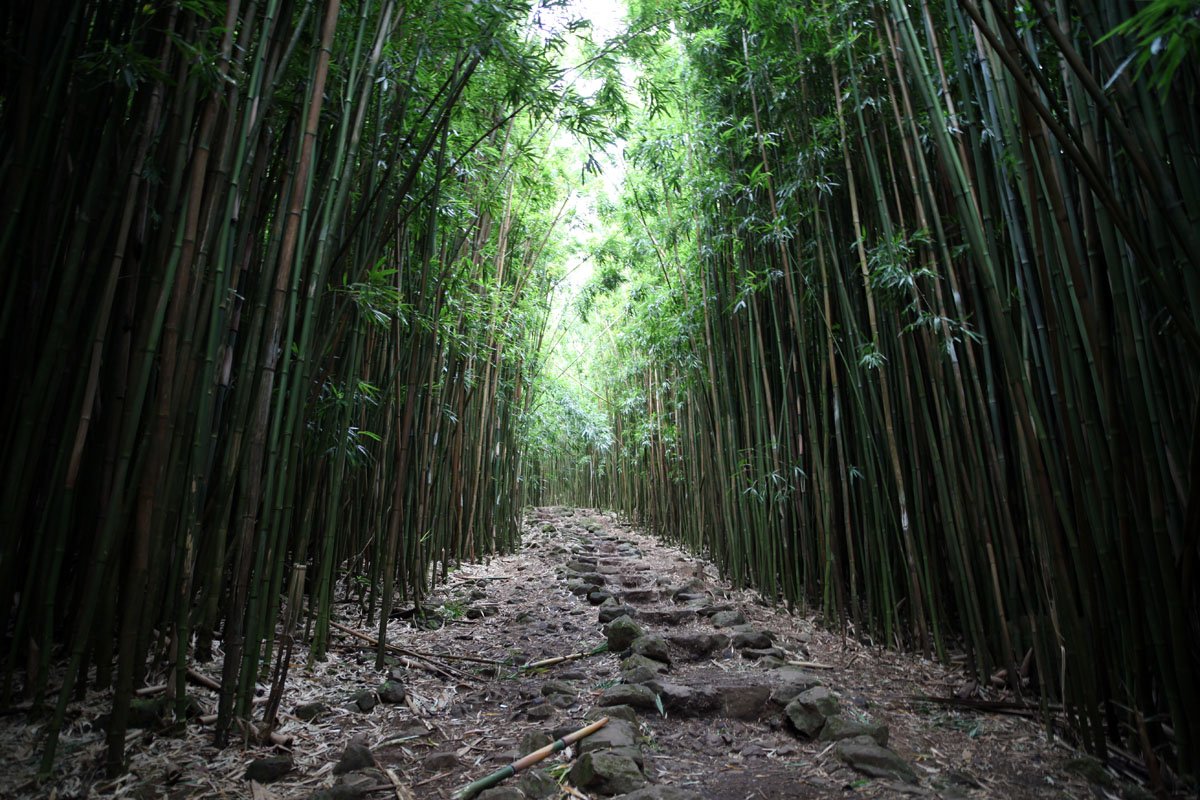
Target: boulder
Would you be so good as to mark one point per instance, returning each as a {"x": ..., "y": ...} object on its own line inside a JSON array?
[
  {"x": 838, "y": 727},
  {"x": 745, "y": 702},
  {"x": 791, "y": 682},
  {"x": 699, "y": 645},
  {"x": 501, "y": 793},
  {"x": 863, "y": 755},
  {"x": 613, "y": 713},
  {"x": 609, "y": 613},
  {"x": 653, "y": 647},
  {"x": 537, "y": 785},
  {"x": 620, "y": 633},
  {"x": 727, "y": 619},
  {"x": 271, "y": 768},
  {"x": 310, "y": 711},
  {"x": 616, "y": 734},
  {"x": 753, "y": 639},
  {"x": 643, "y": 661},
  {"x": 606, "y": 772},
  {"x": 357, "y": 755},
  {"x": 629, "y": 694},
  {"x": 392, "y": 692},
  {"x": 810, "y": 709}
]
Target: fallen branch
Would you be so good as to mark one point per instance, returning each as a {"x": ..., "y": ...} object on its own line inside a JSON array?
[
  {"x": 446, "y": 670},
  {"x": 472, "y": 789},
  {"x": 549, "y": 662}
]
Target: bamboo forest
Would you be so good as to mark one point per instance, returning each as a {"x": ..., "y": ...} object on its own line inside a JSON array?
[{"x": 878, "y": 319}]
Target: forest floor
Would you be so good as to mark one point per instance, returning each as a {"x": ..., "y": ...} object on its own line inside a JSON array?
[{"x": 710, "y": 705}]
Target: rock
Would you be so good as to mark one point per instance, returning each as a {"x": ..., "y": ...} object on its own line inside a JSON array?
[
  {"x": 501, "y": 793},
  {"x": 392, "y": 692},
  {"x": 609, "y": 613},
  {"x": 533, "y": 740},
  {"x": 563, "y": 701},
  {"x": 863, "y": 755},
  {"x": 810, "y": 709},
  {"x": 653, "y": 647},
  {"x": 694, "y": 586},
  {"x": 672, "y": 617},
  {"x": 755, "y": 640},
  {"x": 613, "y": 713},
  {"x": 556, "y": 687},
  {"x": 356, "y": 756},
  {"x": 582, "y": 564},
  {"x": 691, "y": 598},
  {"x": 144, "y": 711},
  {"x": 537, "y": 785},
  {"x": 606, "y": 772},
  {"x": 685, "y": 700},
  {"x": 478, "y": 594},
  {"x": 474, "y": 613},
  {"x": 271, "y": 768},
  {"x": 620, "y": 633},
  {"x": 598, "y": 597},
  {"x": 766, "y": 652},
  {"x": 792, "y": 682},
  {"x": 744, "y": 702},
  {"x": 727, "y": 619},
  {"x": 440, "y": 760},
  {"x": 709, "y": 610},
  {"x": 642, "y": 661},
  {"x": 541, "y": 711},
  {"x": 629, "y": 694},
  {"x": 638, "y": 675},
  {"x": 581, "y": 588},
  {"x": 340, "y": 792},
  {"x": 594, "y": 578},
  {"x": 639, "y": 596},
  {"x": 662, "y": 793},
  {"x": 838, "y": 727},
  {"x": 699, "y": 645},
  {"x": 363, "y": 701},
  {"x": 617, "y": 733},
  {"x": 310, "y": 711}
]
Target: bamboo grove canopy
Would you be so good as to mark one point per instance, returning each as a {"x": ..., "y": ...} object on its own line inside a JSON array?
[{"x": 896, "y": 317}]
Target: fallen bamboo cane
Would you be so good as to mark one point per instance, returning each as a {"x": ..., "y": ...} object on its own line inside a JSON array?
[
  {"x": 549, "y": 662},
  {"x": 470, "y": 790}
]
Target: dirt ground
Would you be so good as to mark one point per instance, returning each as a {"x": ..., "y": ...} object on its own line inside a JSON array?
[{"x": 466, "y": 706}]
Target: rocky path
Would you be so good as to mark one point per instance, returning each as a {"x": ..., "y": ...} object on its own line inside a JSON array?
[{"x": 710, "y": 694}]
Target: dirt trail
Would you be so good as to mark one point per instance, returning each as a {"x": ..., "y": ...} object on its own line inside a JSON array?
[{"x": 711, "y": 694}]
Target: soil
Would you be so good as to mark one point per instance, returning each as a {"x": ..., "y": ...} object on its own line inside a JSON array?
[{"x": 469, "y": 705}]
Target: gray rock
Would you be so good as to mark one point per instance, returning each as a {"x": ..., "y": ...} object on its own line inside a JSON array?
[
  {"x": 638, "y": 675},
  {"x": 699, "y": 645},
  {"x": 363, "y": 701},
  {"x": 537, "y": 785},
  {"x": 661, "y": 792},
  {"x": 620, "y": 633},
  {"x": 691, "y": 598},
  {"x": 478, "y": 594},
  {"x": 582, "y": 564},
  {"x": 310, "y": 711},
  {"x": 766, "y": 652},
  {"x": 745, "y": 702},
  {"x": 863, "y": 755},
  {"x": 688, "y": 701},
  {"x": 563, "y": 701},
  {"x": 617, "y": 733},
  {"x": 356, "y": 756},
  {"x": 791, "y": 682},
  {"x": 641, "y": 661},
  {"x": 639, "y": 596},
  {"x": 606, "y": 772},
  {"x": 694, "y": 586},
  {"x": 501, "y": 793},
  {"x": 556, "y": 687},
  {"x": 598, "y": 597},
  {"x": 581, "y": 588},
  {"x": 440, "y": 760},
  {"x": 838, "y": 727},
  {"x": 392, "y": 692},
  {"x": 541, "y": 711},
  {"x": 653, "y": 647},
  {"x": 810, "y": 709},
  {"x": 613, "y": 713},
  {"x": 609, "y": 613},
  {"x": 594, "y": 578},
  {"x": 629, "y": 694},
  {"x": 672, "y": 617},
  {"x": 727, "y": 619},
  {"x": 533, "y": 740},
  {"x": 271, "y": 768},
  {"x": 709, "y": 610},
  {"x": 755, "y": 640}
]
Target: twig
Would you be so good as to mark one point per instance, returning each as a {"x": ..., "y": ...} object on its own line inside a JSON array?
[{"x": 448, "y": 671}]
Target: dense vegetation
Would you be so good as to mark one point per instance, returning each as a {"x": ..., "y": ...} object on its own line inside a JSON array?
[
  {"x": 896, "y": 316},
  {"x": 900, "y": 318},
  {"x": 274, "y": 280}
]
